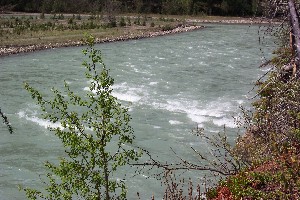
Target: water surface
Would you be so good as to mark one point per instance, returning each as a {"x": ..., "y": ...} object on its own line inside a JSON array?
[{"x": 172, "y": 84}]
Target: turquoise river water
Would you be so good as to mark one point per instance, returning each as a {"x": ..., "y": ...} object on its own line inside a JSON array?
[{"x": 172, "y": 84}]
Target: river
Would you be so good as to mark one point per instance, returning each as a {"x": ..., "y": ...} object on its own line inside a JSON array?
[{"x": 172, "y": 84}]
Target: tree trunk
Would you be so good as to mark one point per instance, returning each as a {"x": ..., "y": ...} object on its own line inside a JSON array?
[
  {"x": 104, "y": 157},
  {"x": 106, "y": 180},
  {"x": 294, "y": 20}
]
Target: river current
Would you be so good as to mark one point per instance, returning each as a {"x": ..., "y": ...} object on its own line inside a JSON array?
[{"x": 172, "y": 84}]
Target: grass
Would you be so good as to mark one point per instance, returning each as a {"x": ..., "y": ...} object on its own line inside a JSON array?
[
  {"x": 21, "y": 29},
  {"x": 46, "y": 37}
]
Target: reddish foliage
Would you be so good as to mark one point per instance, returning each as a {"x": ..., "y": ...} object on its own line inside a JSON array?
[{"x": 224, "y": 194}]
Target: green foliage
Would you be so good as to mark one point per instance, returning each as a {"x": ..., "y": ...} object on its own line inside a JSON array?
[
  {"x": 271, "y": 143},
  {"x": 211, "y": 193},
  {"x": 92, "y": 17},
  {"x": 95, "y": 133},
  {"x": 53, "y": 17},
  {"x": 78, "y": 17},
  {"x": 272, "y": 180},
  {"x": 128, "y": 21},
  {"x": 178, "y": 7},
  {"x": 112, "y": 22},
  {"x": 167, "y": 27},
  {"x": 42, "y": 15},
  {"x": 61, "y": 16},
  {"x": 71, "y": 21},
  {"x": 122, "y": 22},
  {"x": 166, "y": 19},
  {"x": 137, "y": 21},
  {"x": 278, "y": 107}
]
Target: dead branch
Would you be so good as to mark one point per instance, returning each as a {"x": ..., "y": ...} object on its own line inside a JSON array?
[{"x": 6, "y": 122}]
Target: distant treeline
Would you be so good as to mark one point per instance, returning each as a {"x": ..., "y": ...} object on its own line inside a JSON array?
[{"x": 178, "y": 7}]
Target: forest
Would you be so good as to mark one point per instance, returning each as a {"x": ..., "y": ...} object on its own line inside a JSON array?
[{"x": 172, "y": 7}]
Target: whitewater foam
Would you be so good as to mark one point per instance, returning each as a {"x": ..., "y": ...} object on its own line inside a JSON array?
[
  {"x": 153, "y": 83},
  {"x": 129, "y": 96},
  {"x": 216, "y": 112},
  {"x": 225, "y": 121},
  {"x": 160, "y": 58},
  {"x": 124, "y": 92},
  {"x": 41, "y": 122},
  {"x": 175, "y": 122}
]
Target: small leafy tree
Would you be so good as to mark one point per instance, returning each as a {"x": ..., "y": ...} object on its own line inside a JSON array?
[{"x": 96, "y": 134}]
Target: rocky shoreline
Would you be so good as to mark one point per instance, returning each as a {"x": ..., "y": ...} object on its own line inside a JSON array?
[
  {"x": 5, "y": 51},
  {"x": 235, "y": 21}
]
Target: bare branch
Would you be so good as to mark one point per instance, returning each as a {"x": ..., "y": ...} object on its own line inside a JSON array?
[{"x": 6, "y": 122}]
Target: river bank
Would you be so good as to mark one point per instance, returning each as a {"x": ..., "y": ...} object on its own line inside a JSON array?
[
  {"x": 54, "y": 40},
  {"x": 236, "y": 20},
  {"x": 9, "y": 50}
]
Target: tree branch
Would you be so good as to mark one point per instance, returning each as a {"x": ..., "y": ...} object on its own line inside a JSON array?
[{"x": 6, "y": 122}]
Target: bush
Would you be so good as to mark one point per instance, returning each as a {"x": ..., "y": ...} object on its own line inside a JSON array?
[
  {"x": 61, "y": 16},
  {"x": 70, "y": 21},
  {"x": 78, "y": 17},
  {"x": 42, "y": 15},
  {"x": 137, "y": 21},
  {"x": 167, "y": 27},
  {"x": 144, "y": 23},
  {"x": 92, "y": 17},
  {"x": 112, "y": 22},
  {"x": 128, "y": 21},
  {"x": 122, "y": 22}
]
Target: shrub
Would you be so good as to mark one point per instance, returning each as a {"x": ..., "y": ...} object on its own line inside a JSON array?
[
  {"x": 42, "y": 15},
  {"x": 78, "y": 17},
  {"x": 167, "y": 27},
  {"x": 122, "y": 22},
  {"x": 70, "y": 21},
  {"x": 137, "y": 21},
  {"x": 128, "y": 21}
]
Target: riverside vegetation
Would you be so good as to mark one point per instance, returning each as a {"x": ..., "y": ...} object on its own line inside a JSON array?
[
  {"x": 27, "y": 32},
  {"x": 264, "y": 163},
  {"x": 95, "y": 131},
  {"x": 34, "y": 29},
  {"x": 267, "y": 156},
  {"x": 108, "y": 20},
  {"x": 175, "y": 7},
  {"x": 133, "y": 18},
  {"x": 270, "y": 148}
]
